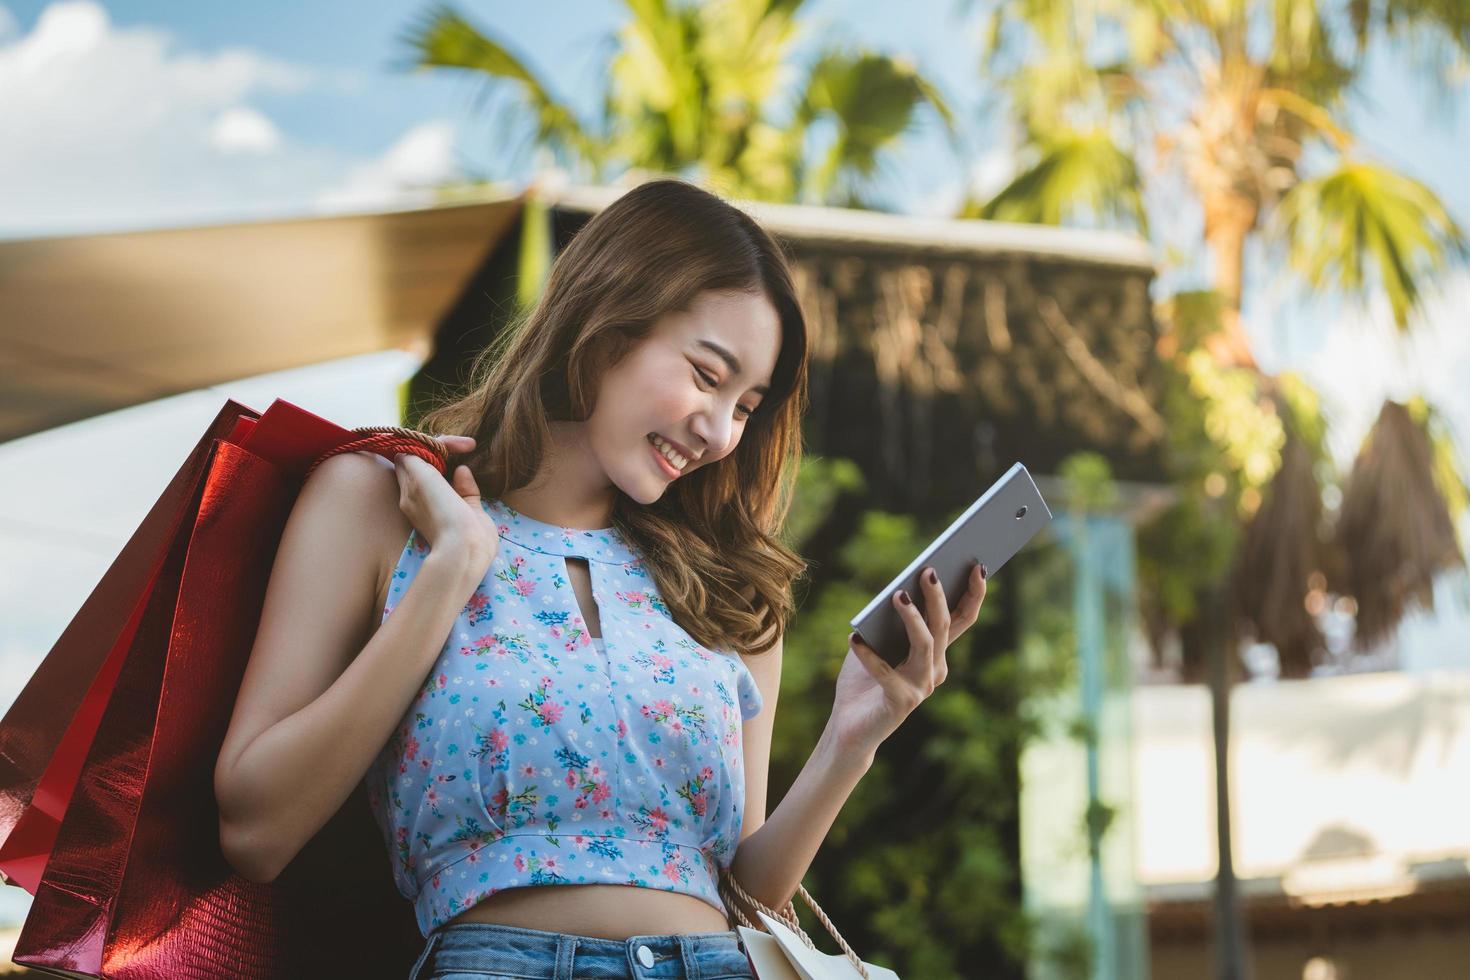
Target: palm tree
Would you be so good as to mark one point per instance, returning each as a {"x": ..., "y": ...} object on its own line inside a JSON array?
[
  {"x": 701, "y": 91},
  {"x": 1239, "y": 108}
]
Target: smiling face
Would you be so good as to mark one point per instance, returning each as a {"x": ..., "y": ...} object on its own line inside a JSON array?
[{"x": 676, "y": 383}]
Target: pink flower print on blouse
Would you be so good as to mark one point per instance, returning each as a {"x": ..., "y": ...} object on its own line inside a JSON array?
[
  {"x": 511, "y": 575},
  {"x": 514, "y": 809},
  {"x": 434, "y": 796},
  {"x": 400, "y": 840},
  {"x": 545, "y": 870},
  {"x": 494, "y": 747},
  {"x": 544, "y": 711},
  {"x": 688, "y": 721},
  {"x": 470, "y": 828},
  {"x": 676, "y": 865},
  {"x": 434, "y": 685},
  {"x": 660, "y": 663},
  {"x": 696, "y": 797},
  {"x": 500, "y": 644},
  {"x": 655, "y": 821},
  {"x": 644, "y": 602},
  {"x": 584, "y": 776},
  {"x": 572, "y": 630},
  {"x": 477, "y": 609}
]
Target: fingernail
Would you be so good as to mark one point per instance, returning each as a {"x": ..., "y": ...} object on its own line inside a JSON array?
[
  {"x": 984, "y": 572},
  {"x": 851, "y": 637},
  {"x": 903, "y": 597},
  {"x": 933, "y": 579}
]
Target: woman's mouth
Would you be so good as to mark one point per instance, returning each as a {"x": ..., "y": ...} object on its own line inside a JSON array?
[{"x": 670, "y": 470}]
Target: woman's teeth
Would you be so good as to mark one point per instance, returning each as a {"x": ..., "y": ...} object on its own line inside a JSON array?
[{"x": 678, "y": 461}]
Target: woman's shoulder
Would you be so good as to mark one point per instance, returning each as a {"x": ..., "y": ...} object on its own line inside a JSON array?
[{"x": 371, "y": 484}]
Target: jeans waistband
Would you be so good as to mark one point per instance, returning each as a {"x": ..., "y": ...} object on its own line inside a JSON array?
[{"x": 515, "y": 951}]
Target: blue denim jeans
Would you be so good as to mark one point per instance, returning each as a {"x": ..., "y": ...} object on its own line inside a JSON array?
[{"x": 486, "y": 951}]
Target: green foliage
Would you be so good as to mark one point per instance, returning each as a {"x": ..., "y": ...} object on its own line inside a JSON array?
[
  {"x": 443, "y": 39},
  {"x": 1076, "y": 177},
  {"x": 1241, "y": 427},
  {"x": 1089, "y": 481},
  {"x": 711, "y": 91},
  {"x": 821, "y": 482},
  {"x": 1363, "y": 217}
]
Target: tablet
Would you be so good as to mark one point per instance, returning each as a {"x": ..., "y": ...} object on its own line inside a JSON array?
[{"x": 990, "y": 531}]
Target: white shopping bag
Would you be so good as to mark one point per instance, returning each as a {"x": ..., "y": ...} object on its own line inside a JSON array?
[
  {"x": 802, "y": 962},
  {"x": 766, "y": 956}
]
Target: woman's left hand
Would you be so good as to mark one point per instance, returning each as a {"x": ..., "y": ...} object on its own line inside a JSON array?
[{"x": 873, "y": 698}]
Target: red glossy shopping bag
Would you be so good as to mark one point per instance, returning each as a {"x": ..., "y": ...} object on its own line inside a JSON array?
[{"x": 107, "y": 756}]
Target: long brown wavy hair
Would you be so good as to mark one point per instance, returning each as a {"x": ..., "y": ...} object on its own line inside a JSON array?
[{"x": 712, "y": 541}]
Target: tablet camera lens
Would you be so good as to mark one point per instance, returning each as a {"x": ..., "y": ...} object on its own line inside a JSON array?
[{"x": 1021, "y": 513}]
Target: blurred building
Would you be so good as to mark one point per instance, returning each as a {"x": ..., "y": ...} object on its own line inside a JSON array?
[{"x": 1351, "y": 824}]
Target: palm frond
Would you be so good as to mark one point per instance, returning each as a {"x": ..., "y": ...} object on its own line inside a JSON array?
[
  {"x": 443, "y": 38},
  {"x": 1366, "y": 226},
  {"x": 1426, "y": 24},
  {"x": 873, "y": 99},
  {"x": 1077, "y": 173}
]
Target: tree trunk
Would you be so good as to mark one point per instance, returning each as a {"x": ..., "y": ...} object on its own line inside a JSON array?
[{"x": 1229, "y": 218}]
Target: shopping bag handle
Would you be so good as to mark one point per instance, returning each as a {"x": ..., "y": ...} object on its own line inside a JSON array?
[
  {"x": 387, "y": 440},
  {"x": 786, "y": 916}
]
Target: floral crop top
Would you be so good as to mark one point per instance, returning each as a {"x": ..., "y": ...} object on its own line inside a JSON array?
[{"x": 536, "y": 754}]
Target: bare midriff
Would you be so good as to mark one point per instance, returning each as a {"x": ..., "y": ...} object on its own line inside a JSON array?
[{"x": 601, "y": 911}]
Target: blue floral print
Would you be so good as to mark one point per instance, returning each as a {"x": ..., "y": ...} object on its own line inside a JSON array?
[{"x": 537, "y": 754}]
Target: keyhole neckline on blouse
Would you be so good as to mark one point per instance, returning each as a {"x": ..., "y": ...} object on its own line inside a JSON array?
[{"x": 606, "y": 544}]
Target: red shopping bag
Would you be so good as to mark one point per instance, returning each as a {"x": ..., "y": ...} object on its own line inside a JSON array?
[{"x": 107, "y": 756}]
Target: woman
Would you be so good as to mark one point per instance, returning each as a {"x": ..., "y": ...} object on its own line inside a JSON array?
[{"x": 572, "y": 681}]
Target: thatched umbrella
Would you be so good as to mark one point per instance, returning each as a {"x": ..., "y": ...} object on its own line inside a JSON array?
[
  {"x": 1279, "y": 552},
  {"x": 1395, "y": 530}
]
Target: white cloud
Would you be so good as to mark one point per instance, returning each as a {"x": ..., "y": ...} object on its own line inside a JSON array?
[
  {"x": 244, "y": 130},
  {"x": 404, "y": 174},
  {"x": 122, "y": 127}
]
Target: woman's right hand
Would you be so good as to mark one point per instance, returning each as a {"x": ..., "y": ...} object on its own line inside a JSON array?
[{"x": 448, "y": 511}]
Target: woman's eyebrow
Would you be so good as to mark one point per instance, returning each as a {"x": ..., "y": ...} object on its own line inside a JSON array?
[{"x": 731, "y": 361}]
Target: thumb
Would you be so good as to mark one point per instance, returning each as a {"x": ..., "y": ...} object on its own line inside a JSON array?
[
  {"x": 879, "y": 668},
  {"x": 463, "y": 481}
]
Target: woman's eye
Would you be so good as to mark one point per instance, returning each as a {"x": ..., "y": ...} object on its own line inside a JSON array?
[{"x": 745, "y": 412}]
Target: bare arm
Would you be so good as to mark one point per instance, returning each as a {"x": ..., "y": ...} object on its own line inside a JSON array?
[
  {"x": 771, "y": 862},
  {"x": 316, "y": 705}
]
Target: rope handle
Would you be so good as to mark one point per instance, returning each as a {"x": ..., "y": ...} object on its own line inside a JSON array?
[
  {"x": 386, "y": 440},
  {"x": 787, "y": 916}
]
